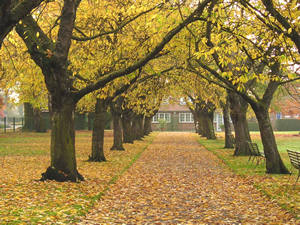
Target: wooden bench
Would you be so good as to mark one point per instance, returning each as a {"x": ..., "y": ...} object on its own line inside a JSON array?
[
  {"x": 255, "y": 153},
  {"x": 295, "y": 161}
]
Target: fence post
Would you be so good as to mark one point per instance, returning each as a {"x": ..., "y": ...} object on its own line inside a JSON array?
[
  {"x": 14, "y": 124},
  {"x": 4, "y": 124}
]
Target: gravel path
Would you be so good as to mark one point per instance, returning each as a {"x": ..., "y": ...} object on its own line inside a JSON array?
[{"x": 176, "y": 181}]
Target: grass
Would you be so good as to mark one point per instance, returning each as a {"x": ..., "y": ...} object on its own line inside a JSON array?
[
  {"x": 24, "y": 156},
  {"x": 277, "y": 187}
]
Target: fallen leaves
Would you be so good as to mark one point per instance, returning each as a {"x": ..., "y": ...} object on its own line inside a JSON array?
[
  {"x": 174, "y": 182},
  {"x": 23, "y": 200},
  {"x": 177, "y": 182}
]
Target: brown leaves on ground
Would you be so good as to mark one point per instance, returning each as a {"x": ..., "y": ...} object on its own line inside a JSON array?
[
  {"x": 23, "y": 200},
  {"x": 178, "y": 182}
]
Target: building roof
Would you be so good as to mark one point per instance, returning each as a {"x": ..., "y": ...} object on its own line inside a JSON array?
[{"x": 173, "y": 107}]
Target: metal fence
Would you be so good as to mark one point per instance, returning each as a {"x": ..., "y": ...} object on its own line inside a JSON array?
[
  {"x": 11, "y": 124},
  {"x": 18, "y": 124}
]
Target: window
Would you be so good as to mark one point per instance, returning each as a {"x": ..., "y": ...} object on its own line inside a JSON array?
[
  {"x": 161, "y": 116},
  {"x": 186, "y": 118}
]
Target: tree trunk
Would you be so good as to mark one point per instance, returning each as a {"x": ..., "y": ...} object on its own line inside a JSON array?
[
  {"x": 90, "y": 120},
  {"x": 28, "y": 117},
  {"x": 63, "y": 161},
  {"x": 228, "y": 131},
  {"x": 197, "y": 124},
  {"x": 117, "y": 131},
  {"x": 127, "y": 127},
  {"x": 274, "y": 163},
  {"x": 238, "y": 111},
  {"x": 196, "y": 120},
  {"x": 98, "y": 132},
  {"x": 39, "y": 122},
  {"x": 147, "y": 125},
  {"x": 136, "y": 128},
  {"x": 209, "y": 124},
  {"x": 140, "y": 121},
  {"x": 201, "y": 124}
]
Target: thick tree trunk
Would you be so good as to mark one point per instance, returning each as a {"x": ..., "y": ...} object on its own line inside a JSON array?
[
  {"x": 228, "y": 131},
  {"x": 90, "y": 121},
  {"x": 147, "y": 125},
  {"x": 116, "y": 112},
  {"x": 274, "y": 163},
  {"x": 209, "y": 121},
  {"x": 136, "y": 128},
  {"x": 127, "y": 127},
  {"x": 196, "y": 121},
  {"x": 140, "y": 121},
  {"x": 28, "y": 117},
  {"x": 63, "y": 161},
  {"x": 117, "y": 131},
  {"x": 238, "y": 111},
  {"x": 201, "y": 124},
  {"x": 98, "y": 132},
  {"x": 39, "y": 123}
]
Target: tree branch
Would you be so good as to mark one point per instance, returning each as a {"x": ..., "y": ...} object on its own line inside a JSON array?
[
  {"x": 10, "y": 18},
  {"x": 140, "y": 63},
  {"x": 113, "y": 31}
]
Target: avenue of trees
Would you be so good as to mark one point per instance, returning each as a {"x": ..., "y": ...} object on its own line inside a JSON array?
[{"x": 126, "y": 56}]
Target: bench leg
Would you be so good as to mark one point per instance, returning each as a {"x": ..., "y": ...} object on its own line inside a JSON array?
[{"x": 297, "y": 179}]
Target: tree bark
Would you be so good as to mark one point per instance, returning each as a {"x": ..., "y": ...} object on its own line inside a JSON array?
[
  {"x": 116, "y": 111},
  {"x": 140, "y": 120},
  {"x": 28, "y": 117},
  {"x": 98, "y": 132},
  {"x": 147, "y": 125},
  {"x": 238, "y": 111},
  {"x": 229, "y": 142},
  {"x": 128, "y": 136},
  {"x": 201, "y": 124},
  {"x": 117, "y": 131},
  {"x": 208, "y": 118},
  {"x": 39, "y": 123},
  {"x": 136, "y": 128},
  {"x": 90, "y": 120},
  {"x": 274, "y": 163},
  {"x": 63, "y": 161},
  {"x": 196, "y": 120}
]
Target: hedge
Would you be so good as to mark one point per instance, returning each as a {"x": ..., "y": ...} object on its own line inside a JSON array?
[
  {"x": 288, "y": 125},
  {"x": 253, "y": 126}
]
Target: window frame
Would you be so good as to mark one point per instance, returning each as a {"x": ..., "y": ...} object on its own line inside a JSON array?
[
  {"x": 157, "y": 116},
  {"x": 191, "y": 117}
]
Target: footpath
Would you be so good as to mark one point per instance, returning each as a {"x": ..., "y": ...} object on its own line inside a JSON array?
[{"x": 176, "y": 181}]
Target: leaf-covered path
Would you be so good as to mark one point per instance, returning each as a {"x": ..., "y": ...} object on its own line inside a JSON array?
[{"x": 176, "y": 181}]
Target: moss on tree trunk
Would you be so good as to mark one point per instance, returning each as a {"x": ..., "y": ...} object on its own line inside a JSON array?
[{"x": 63, "y": 161}]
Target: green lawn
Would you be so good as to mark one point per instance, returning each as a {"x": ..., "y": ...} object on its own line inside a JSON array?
[{"x": 280, "y": 188}]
